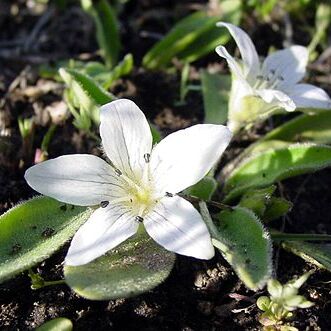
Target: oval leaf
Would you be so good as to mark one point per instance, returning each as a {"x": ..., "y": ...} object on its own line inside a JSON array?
[
  {"x": 274, "y": 165},
  {"x": 246, "y": 245},
  {"x": 136, "y": 266},
  {"x": 32, "y": 231},
  {"x": 57, "y": 324},
  {"x": 314, "y": 128}
]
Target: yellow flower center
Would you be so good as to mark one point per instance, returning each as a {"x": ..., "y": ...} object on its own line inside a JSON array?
[{"x": 141, "y": 200}]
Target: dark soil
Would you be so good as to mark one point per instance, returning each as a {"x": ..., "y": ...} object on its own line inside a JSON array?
[{"x": 197, "y": 295}]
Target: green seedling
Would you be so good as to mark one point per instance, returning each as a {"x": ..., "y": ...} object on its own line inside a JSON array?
[
  {"x": 283, "y": 300},
  {"x": 26, "y": 128}
]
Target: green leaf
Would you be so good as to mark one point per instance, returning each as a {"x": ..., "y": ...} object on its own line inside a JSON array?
[
  {"x": 229, "y": 11},
  {"x": 107, "y": 29},
  {"x": 271, "y": 166},
  {"x": 318, "y": 254},
  {"x": 180, "y": 36},
  {"x": 85, "y": 87},
  {"x": 155, "y": 133},
  {"x": 204, "y": 189},
  {"x": 122, "y": 69},
  {"x": 85, "y": 94},
  {"x": 32, "y": 231},
  {"x": 257, "y": 199},
  {"x": 264, "y": 205},
  {"x": 57, "y": 324},
  {"x": 276, "y": 208},
  {"x": 215, "y": 92},
  {"x": 134, "y": 267},
  {"x": 256, "y": 148},
  {"x": 192, "y": 37},
  {"x": 313, "y": 128},
  {"x": 263, "y": 303},
  {"x": 322, "y": 23},
  {"x": 246, "y": 245}
]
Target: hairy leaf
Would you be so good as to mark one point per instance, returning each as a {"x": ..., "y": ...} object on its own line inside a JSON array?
[
  {"x": 271, "y": 166},
  {"x": 134, "y": 267},
  {"x": 264, "y": 205},
  {"x": 84, "y": 94},
  {"x": 32, "y": 231},
  {"x": 246, "y": 245},
  {"x": 313, "y": 128}
]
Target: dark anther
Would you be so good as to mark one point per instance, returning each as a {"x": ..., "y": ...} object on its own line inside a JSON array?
[
  {"x": 104, "y": 204},
  {"x": 139, "y": 219},
  {"x": 118, "y": 172},
  {"x": 169, "y": 195},
  {"x": 147, "y": 157},
  {"x": 272, "y": 71},
  {"x": 280, "y": 78}
]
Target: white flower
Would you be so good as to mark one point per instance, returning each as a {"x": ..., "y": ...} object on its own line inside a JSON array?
[
  {"x": 261, "y": 89},
  {"x": 138, "y": 186}
]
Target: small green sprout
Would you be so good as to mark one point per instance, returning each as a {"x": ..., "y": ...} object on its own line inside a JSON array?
[
  {"x": 283, "y": 300},
  {"x": 25, "y": 126},
  {"x": 38, "y": 282}
]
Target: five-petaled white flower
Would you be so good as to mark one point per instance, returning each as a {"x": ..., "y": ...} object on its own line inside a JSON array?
[
  {"x": 138, "y": 185},
  {"x": 262, "y": 89}
]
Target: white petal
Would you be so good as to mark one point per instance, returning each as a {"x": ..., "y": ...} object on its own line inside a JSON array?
[
  {"x": 186, "y": 156},
  {"x": 288, "y": 65},
  {"x": 77, "y": 179},
  {"x": 233, "y": 64},
  {"x": 126, "y": 136},
  {"x": 309, "y": 96},
  {"x": 277, "y": 98},
  {"x": 177, "y": 226},
  {"x": 104, "y": 230},
  {"x": 246, "y": 47}
]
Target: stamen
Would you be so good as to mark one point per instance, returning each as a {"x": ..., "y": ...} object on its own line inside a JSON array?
[
  {"x": 139, "y": 219},
  {"x": 272, "y": 71},
  {"x": 147, "y": 157},
  {"x": 118, "y": 172},
  {"x": 169, "y": 195},
  {"x": 104, "y": 204}
]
